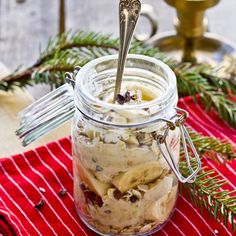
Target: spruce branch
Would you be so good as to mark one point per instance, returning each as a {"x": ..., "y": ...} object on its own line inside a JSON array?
[
  {"x": 60, "y": 51},
  {"x": 206, "y": 193},
  {"x": 228, "y": 72},
  {"x": 212, "y": 147},
  {"x": 191, "y": 81},
  {"x": 77, "y": 40},
  {"x": 223, "y": 84},
  {"x": 66, "y": 51}
]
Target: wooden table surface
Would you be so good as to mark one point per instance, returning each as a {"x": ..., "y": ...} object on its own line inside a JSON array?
[{"x": 23, "y": 27}]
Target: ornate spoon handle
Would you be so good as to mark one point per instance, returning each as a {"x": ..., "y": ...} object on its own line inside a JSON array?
[{"x": 129, "y": 11}]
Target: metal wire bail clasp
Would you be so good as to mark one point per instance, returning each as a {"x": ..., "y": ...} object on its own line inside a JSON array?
[
  {"x": 70, "y": 77},
  {"x": 178, "y": 121}
]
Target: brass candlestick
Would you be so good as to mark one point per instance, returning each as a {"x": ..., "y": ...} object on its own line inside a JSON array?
[
  {"x": 191, "y": 23},
  {"x": 191, "y": 42}
]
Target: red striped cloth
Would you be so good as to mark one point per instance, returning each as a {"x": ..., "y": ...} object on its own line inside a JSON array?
[{"x": 50, "y": 167}]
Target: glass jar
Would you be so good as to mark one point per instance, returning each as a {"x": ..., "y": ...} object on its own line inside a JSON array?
[{"x": 122, "y": 181}]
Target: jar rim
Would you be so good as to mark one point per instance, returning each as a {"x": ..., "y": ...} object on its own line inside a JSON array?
[{"x": 81, "y": 76}]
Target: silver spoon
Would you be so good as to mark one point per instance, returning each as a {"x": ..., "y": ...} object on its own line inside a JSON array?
[{"x": 129, "y": 11}]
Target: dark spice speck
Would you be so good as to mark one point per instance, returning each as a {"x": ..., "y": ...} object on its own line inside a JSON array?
[
  {"x": 109, "y": 119},
  {"x": 107, "y": 211},
  {"x": 140, "y": 136},
  {"x": 117, "y": 194},
  {"x": 133, "y": 198},
  {"x": 82, "y": 187},
  {"x": 62, "y": 192},
  {"x": 127, "y": 96},
  {"x": 93, "y": 198},
  {"x": 99, "y": 168},
  {"x": 40, "y": 204},
  {"x": 120, "y": 99}
]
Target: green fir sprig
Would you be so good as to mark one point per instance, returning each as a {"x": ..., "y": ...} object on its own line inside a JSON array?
[
  {"x": 68, "y": 50},
  {"x": 213, "y": 148},
  {"x": 194, "y": 80},
  {"x": 207, "y": 193}
]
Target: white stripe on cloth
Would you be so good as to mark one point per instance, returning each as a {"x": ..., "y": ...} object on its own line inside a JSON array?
[
  {"x": 52, "y": 171},
  {"x": 212, "y": 122},
  {"x": 200, "y": 216},
  {"x": 230, "y": 168},
  {"x": 196, "y": 119},
  {"x": 230, "y": 234},
  {"x": 19, "y": 222},
  {"x": 201, "y": 123},
  {"x": 58, "y": 161},
  {"x": 186, "y": 218},
  {"x": 208, "y": 132},
  {"x": 176, "y": 226},
  {"x": 227, "y": 165},
  {"x": 35, "y": 187},
  {"x": 221, "y": 190},
  {"x": 10, "y": 219},
  {"x": 203, "y": 112},
  {"x": 61, "y": 202},
  {"x": 65, "y": 152},
  {"x": 215, "y": 166},
  {"x": 164, "y": 232},
  {"x": 12, "y": 200}
]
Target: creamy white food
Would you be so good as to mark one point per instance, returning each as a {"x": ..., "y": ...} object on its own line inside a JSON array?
[{"x": 122, "y": 183}]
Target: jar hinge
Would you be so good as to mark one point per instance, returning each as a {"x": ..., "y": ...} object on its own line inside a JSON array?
[
  {"x": 178, "y": 121},
  {"x": 70, "y": 77}
]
